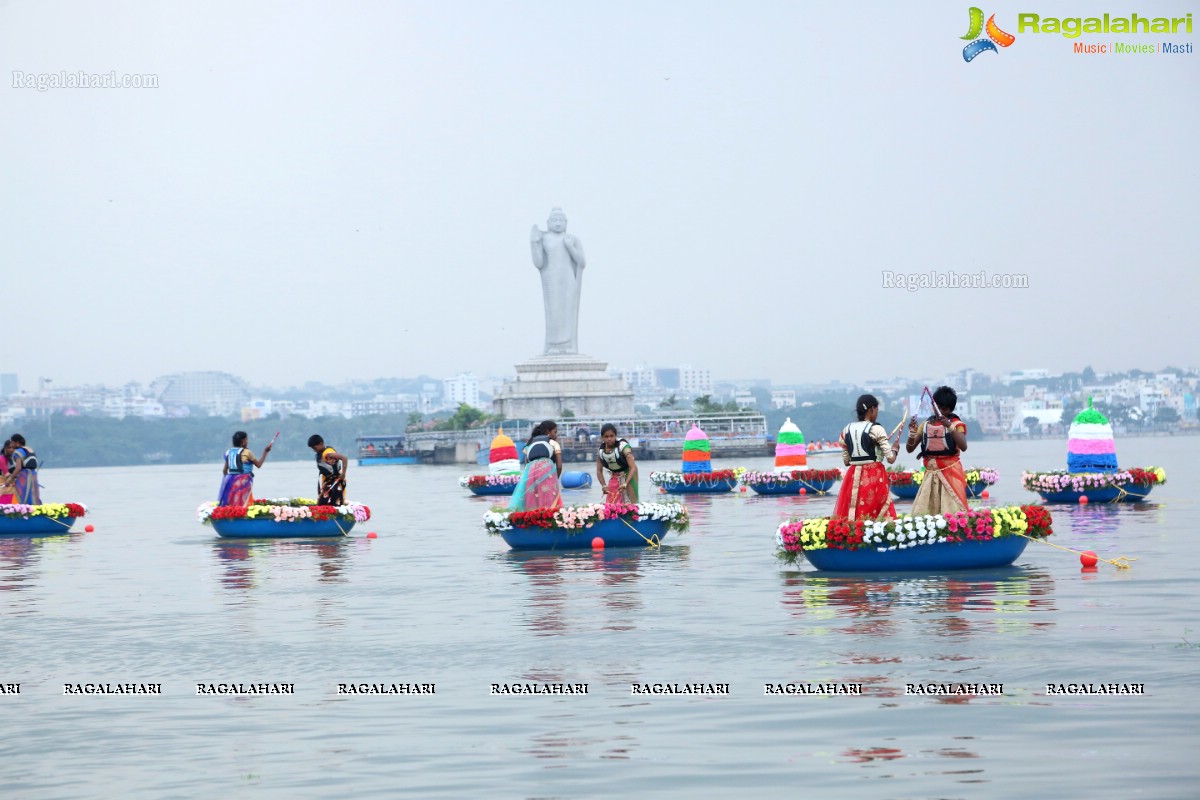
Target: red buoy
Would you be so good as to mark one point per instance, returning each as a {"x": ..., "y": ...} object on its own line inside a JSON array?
[
  {"x": 89, "y": 528},
  {"x": 803, "y": 490},
  {"x": 1088, "y": 558},
  {"x": 597, "y": 543},
  {"x": 1083, "y": 500},
  {"x": 372, "y": 535},
  {"x": 984, "y": 494}
]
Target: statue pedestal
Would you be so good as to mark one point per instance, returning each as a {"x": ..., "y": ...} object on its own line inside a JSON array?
[{"x": 546, "y": 386}]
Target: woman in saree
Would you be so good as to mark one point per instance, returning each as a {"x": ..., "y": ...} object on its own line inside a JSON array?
[
  {"x": 865, "y": 491},
  {"x": 22, "y": 480},
  {"x": 6, "y": 495},
  {"x": 941, "y": 438},
  {"x": 539, "y": 486},
  {"x": 616, "y": 457},
  {"x": 239, "y": 472}
]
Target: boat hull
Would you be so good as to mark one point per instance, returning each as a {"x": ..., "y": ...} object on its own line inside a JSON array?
[
  {"x": 1133, "y": 494},
  {"x": 945, "y": 555},
  {"x": 268, "y": 528},
  {"x": 504, "y": 488},
  {"x": 35, "y": 526},
  {"x": 388, "y": 460},
  {"x": 614, "y": 532},
  {"x": 711, "y": 487},
  {"x": 906, "y": 492},
  {"x": 794, "y": 487}
]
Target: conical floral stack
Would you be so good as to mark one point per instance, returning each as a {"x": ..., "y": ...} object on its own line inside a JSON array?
[
  {"x": 502, "y": 457},
  {"x": 790, "y": 451},
  {"x": 1092, "y": 474}
]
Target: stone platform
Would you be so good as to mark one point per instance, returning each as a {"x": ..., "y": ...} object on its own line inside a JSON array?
[{"x": 546, "y": 386}]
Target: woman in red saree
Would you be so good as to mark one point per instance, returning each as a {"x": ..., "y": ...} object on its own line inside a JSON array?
[
  {"x": 865, "y": 491},
  {"x": 941, "y": 437}
]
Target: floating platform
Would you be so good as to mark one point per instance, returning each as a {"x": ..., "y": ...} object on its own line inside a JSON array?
[
  {"x": 1109, "y": 494},
  {"x": 614, "y": 532},
  {"x": 494, "y": 489},
  {"x": 719, "y": 486},
  {"x": 264, "y": 528},
  {"x": 37, "y": 525},
  {"x": 999, "y": 552},
  {"x": 794, "y": 487}
]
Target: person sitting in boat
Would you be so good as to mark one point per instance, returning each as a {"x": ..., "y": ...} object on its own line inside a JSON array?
[
  {"x": 6, "y": 495},
  {"x": 239, "y": 467},
  {"x": 539, "y": 485},
  {"x": 865, "y": 491},
  {"x": 22, "y": 480},
  {"x": 616, "y": 456},
  {"x": 941, "y": 438},
  {"x": 331, "y": 470}
]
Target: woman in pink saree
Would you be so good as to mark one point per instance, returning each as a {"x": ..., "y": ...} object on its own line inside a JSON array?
[{"x": 539, "y": 486}]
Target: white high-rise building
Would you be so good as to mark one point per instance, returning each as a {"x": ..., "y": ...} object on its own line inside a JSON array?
[
  {"x": 694, "y": 382},
  {"x": 463, "y": 388}
]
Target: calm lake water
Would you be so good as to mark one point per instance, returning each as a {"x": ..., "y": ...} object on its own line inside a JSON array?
[{"x": 153, "y": 596}]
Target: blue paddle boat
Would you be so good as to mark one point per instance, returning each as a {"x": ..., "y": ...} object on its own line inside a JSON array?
[
  {"x": 614, "y": 532},
  {"x": 931, "y": 557}
]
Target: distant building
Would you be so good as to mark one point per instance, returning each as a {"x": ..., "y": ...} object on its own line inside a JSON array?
[
  {"x": 218, "y": 393},
  {"x": 695, "y": 382},
  {"x": 385, "y": 404},
  {"x": 783, "y": 398},
  {"x": 8, "y": 384},
  {"x": 464, "y": 388}
]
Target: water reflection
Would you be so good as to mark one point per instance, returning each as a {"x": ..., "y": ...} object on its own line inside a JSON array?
[
  {"x": 875, "y": 757},
  {"x": 561, "y": 599},
  {"x": 950, "y": 604},
  {"x": 245, "y": 564},
  {"x": 19, "y": 557}
]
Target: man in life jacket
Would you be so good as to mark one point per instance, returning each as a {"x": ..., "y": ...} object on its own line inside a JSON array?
[
  {"x": 941, "y": 438},
  {"x": 331, "y": 470}
]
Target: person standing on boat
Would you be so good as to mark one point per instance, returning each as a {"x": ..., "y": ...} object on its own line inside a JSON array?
[
  {"x": 331, "y": 469},
  {"x": 23, "y": 473},
  {"x": 865, "y": 491},
  {"x": 616, "y": 456},
  {"x": 941, "y": 438},
  {"x": 6, "y": 495},
  {"x": 539, "y": 486},
  {"x": 238, "y": 480}
]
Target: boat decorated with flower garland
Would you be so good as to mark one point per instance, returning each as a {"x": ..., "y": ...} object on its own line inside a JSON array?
[
  {"x": 282, "y": 518},
  {"x": 1092, "y": 474},
  {"x": 717, "y": 482},
  {"x": 905, "y": 485},
  {"x": 1124, "y": 486},
  {"x": 46, "y": 519},
  {"x": 577, "y": 527},
  {"x": 974, "y": 539},
  {"x": 800, "y": 481},
  {"x": 698, "y": 476},
  {"x": 489, "y": 484}
]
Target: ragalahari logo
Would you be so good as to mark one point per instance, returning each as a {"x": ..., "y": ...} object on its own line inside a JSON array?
[{"x": 995, "y": 36}]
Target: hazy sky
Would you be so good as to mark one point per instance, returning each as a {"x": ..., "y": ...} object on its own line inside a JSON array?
[{"x": 337, "y": 190}]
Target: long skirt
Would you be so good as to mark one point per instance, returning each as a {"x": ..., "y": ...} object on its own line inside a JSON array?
[
  {"x": 538, "y": 488},
  {"x": 235, "y": 490},
  {"x": 944, "y": 489},
  {"x": 613, "y": 493},
  {"x": 25, "y": 488},
  {"x": 864, "y": 493}
]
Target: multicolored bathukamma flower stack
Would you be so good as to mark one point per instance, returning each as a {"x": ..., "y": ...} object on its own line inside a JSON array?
[
  {"x": 697, "y": 452},
  {"x": 502, "y": 457},
  {"x": 1090, "y": 446},
  {"x": 790, "y": 452}
]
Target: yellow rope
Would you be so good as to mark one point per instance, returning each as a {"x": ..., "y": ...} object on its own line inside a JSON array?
[
  {"x": 1120, "y": 562},
  {"x": 653, "y": 541}
]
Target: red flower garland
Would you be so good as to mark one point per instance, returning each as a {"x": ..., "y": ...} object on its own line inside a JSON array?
[{"x": 1143, "y": 477}]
